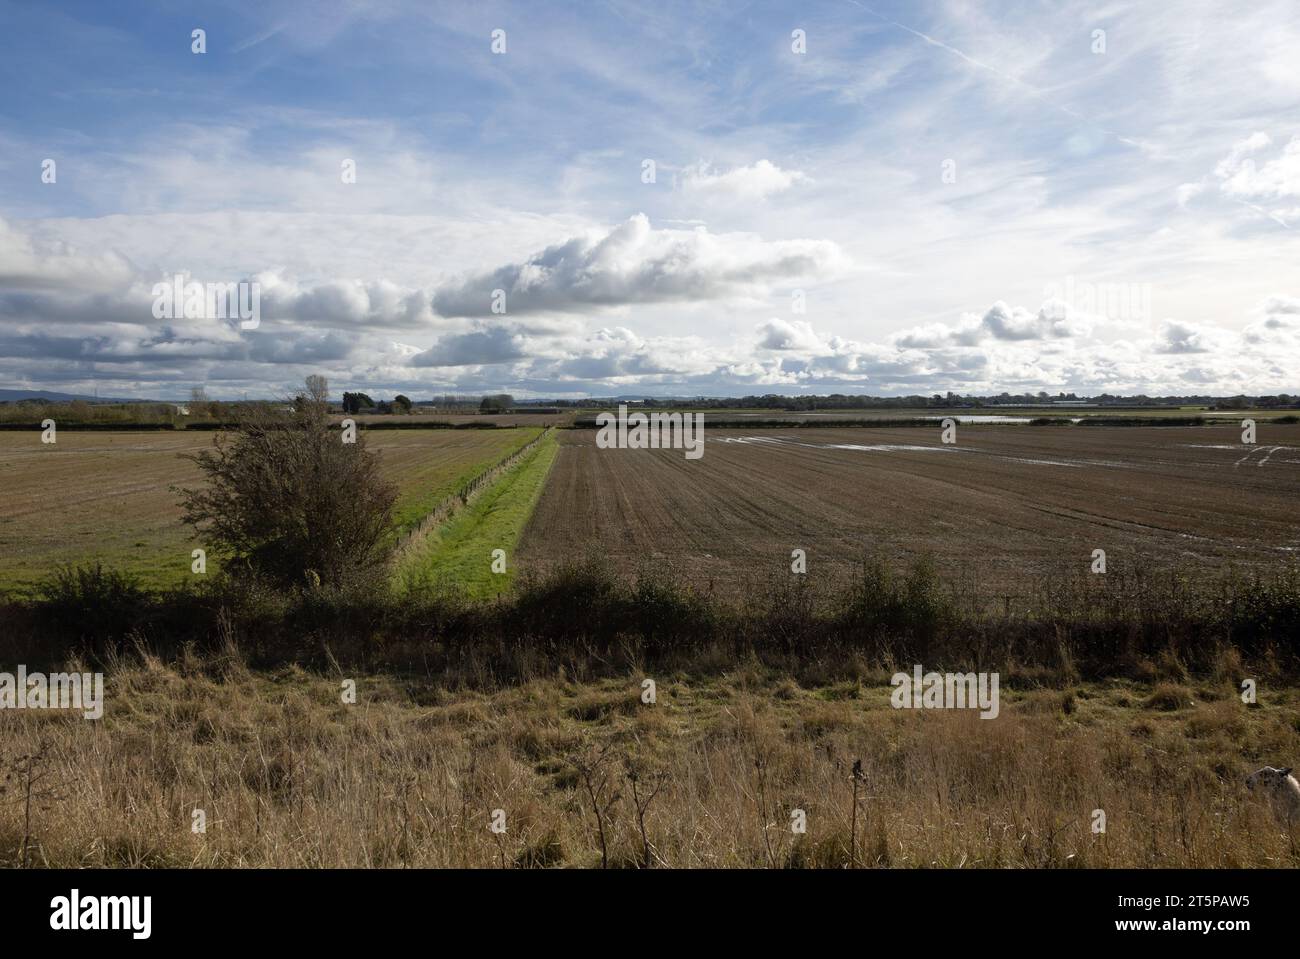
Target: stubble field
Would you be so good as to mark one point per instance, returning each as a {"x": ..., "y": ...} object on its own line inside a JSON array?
[{"x": 104, "y": 496}]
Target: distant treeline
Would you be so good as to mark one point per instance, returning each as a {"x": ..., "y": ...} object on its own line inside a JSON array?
[
  {"x": 200, "y": 409},
  {"x": 214, "y": 426},
  {"x": 713, "y": 421},
  {"x": 380, "y": 425},
  {"x": 24, "y": 414},
  {"x": 841, "y": 401},
  {"x": 717, "y": 422},
  {"x": 104, "y": 427}
]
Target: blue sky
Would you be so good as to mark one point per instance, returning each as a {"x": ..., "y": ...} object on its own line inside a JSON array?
[{"x": 930, "y": 196}]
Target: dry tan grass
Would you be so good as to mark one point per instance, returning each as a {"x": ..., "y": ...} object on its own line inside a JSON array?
[{"x": 288, "y": 775}]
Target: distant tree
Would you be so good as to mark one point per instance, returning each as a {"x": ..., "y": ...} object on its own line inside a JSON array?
[
  {"x": 356, "y": 402},
  {"x": 289, "y": 502},
  {"x": 318, "y": 389},
  {"x": 201, "y": 405},
  {"x": 497, "y": 403},
  {"x": 401, "y": 404}
]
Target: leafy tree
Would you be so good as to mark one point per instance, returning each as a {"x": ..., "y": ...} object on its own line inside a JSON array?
[
  {"x": 291, "y": 503},
  {"x": 496, "y": 403},
  {"x": 356, "y": 402},
  {"x": 401, "y": 404}
]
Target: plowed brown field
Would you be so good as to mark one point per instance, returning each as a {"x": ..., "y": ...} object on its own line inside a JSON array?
[{"x": 1001, "y": 505}]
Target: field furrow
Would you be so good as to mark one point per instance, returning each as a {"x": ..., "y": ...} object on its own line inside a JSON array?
[{"x": 1002, "y": 504}]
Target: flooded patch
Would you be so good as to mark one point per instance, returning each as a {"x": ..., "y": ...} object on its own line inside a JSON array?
[
  {"x": 1033, "y": 462},
  {"x": 885, "y": 447},
  {"x": 890, "y": 448},
  {"x": 1268, "y": 452},
  {"x": 864, "y": 447}
]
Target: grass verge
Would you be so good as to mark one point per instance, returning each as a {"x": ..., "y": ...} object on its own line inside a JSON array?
[
  {"x": 414, "y": 506},
  {"x": 458, "y": 555}
]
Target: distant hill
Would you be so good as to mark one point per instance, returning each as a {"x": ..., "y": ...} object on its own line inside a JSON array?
[{"x": 10, "y": 396}]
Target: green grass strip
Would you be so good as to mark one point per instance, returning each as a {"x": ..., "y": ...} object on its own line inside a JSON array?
[
  {"x": 458, "y": 555},
  {"x": 420, "y": 496}
]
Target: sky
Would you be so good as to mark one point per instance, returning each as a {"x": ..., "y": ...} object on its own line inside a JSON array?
[{"x": 593, "y": 199}]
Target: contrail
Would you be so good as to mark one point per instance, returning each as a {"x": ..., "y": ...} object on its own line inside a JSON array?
[
  {"x": 1262, "y": 212},
  {"x": 1032, "y": 91}
]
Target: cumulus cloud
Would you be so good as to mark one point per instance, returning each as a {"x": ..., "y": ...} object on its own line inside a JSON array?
[
  {"x": 346, "y": 304},
  {"x": 493, "y": 345},
  {"x": 1276, "y": 178},
  {"x": 636, "y": 264},
  {"x": 755, "y": 182},
  {"x": 68, "y": 314},
  {"x": 1182, "y": 338},
  {"x": 1236, "y": 157},
  {"x": 778, "y": 334},
  {"x": 30, "y": 264},
  {"x": 1278, "y": 326},
  {"x": 1005, "y": 348},
  {"x": 1053, "y": 320},
  {"x": 1260, "y": 182}
]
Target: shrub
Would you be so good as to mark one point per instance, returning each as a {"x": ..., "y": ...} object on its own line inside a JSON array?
[
  {"x": 288, "y": 501},
  {"x": 880, "y": 603},
  {"x": 91, "y": 602}
]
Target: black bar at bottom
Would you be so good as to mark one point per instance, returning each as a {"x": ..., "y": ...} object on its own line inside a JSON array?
[{"x": 333, "y": 908}]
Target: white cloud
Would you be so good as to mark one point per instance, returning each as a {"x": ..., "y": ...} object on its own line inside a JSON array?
[
  {"x": 487, "y": 346},
  {"x": 636, "y": 264},
  {"x": 1053, "y": 320},
  {"x": 30, "y": 263},
  {"x": 755, "y": 182},
  {"x": 1182, "y": 338},
  {"x": 347, "y": 304},
  {"x": 1278, "y": 328},
  {"x": 1005, "y": 348},
  {"x": 778, "y": 334},
  {"x": 1237, "y": 155},
  {"x": 1257, "y": 182},
  {"x": 69, "y": 310},
  {"x": 1276, "y": 179}
]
